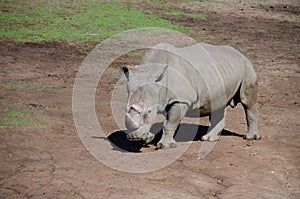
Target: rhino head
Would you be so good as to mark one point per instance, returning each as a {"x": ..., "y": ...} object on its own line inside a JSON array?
[{"x": 143, "y": 99}]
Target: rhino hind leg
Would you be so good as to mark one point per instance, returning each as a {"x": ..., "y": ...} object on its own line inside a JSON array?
[
  {"x": 174, "y": 116},
  {"x": 248, "y": 99},
  {"x": 252, "y": 122},
  {"x": 217, "y": 124}
]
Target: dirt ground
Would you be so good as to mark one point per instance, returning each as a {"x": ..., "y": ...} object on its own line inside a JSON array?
[{"x": 49, "y": 160}]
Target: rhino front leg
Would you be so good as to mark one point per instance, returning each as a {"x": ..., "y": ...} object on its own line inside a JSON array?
[
  {"x": 217, "y": 124},
  {"x": 174, "y": 116}
]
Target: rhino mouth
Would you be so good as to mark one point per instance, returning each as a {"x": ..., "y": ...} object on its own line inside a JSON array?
[{"x": 135, "y": 137}]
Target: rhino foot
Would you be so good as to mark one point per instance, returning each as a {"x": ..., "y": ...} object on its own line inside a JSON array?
[
  {"x": 149, "y": 138},
  {"x": 252, "y": 136},
  {"x": 210, "y": 138},
  {"x": 165, "y": 145}
]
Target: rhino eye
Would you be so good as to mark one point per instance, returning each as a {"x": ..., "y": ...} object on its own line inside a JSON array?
[{"x": 149, "y": 111}]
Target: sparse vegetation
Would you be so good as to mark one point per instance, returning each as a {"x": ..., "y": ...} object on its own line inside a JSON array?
[{"x": 14, "y": 118}]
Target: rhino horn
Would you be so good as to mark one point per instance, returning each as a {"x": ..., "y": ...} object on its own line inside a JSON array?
[{"x": 131, "y": 123}]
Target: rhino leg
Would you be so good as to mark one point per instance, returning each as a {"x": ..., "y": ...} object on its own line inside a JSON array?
[
  {"x": 217, "y": 124},
  {"x": 252, "y": 123},
  {"x": 248, "y": 99},
  {"x": 174, "y": 116}
]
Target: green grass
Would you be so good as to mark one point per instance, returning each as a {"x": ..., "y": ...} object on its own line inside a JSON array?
[
  {"x": 25, "y": 86},
  {"x": 189, "y": 15},
  {"x": 14, "y": 118},
  {"x": 17, "y": 118},
  {"x": 16, "y": 113},
  {"x": 77, "y": 22},
  {"x": 13, "y": 122}
]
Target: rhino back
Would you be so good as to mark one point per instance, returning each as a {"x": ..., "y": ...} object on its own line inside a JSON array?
[{"x": 202, "y": 74}]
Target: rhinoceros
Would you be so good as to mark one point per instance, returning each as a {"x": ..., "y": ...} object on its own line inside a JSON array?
[{"x": 194, "y": 81}]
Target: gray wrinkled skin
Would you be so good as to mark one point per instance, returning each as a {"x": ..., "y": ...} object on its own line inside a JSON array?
[{"x": 195, "y": 81}]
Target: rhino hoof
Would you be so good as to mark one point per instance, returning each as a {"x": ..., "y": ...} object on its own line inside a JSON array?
[
  {"x": 161, "y": 145},
  {"x": 151, "y": 136},
  {"x": 252, "y": 136},
  {"x": 209, "y": 138}
]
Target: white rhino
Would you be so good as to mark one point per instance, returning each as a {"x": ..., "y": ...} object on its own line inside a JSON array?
[{"x": 194, "y": 81}]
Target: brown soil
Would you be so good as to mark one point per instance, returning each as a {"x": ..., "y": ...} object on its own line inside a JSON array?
[{"x": 48, "y": 160}]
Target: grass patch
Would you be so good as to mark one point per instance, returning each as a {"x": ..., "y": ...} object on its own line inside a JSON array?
[
  {"x": 72, "y": 22},
  {"x": 188, "y": 15},
  {"x": 14, "y": 118},
  {"x": 16, "y": 113},
  {"x": 25, "y": 86},
  {"x": 13, "y": 122}
]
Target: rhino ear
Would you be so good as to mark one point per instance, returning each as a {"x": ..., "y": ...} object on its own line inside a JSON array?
[
  {"x": 124, "y": 71},
  {"x": 160, "y": 74}
]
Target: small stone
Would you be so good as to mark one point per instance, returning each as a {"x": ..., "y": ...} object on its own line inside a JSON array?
[{"x": 220, "y": 181}]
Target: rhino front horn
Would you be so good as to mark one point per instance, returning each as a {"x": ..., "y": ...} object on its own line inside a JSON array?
[{"x": 130, "y": 122}]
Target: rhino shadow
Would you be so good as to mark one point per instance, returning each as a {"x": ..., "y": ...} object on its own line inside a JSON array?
[
  {"x": 187, "y": 132},
  {"x": 184, "y": 133},
  {"x": 119, "y": 141}
]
